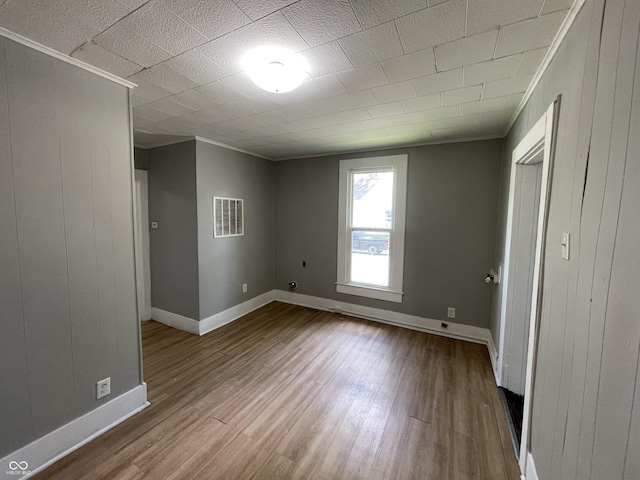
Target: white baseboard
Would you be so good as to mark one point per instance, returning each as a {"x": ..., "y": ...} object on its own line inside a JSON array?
[
  {"x": 233, "y": 313},
  {"x": 428, "y": 325},
  {"x": 174, "y": 320},
  {"x": 46, "y": 450},
  {"x": 214, "y": 321},
  {"x": 493, "y": 355},
  {"x": 530, "y": 472}
]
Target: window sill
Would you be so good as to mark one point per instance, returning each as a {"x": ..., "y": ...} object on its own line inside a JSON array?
[{"x": 370, "y": 292}]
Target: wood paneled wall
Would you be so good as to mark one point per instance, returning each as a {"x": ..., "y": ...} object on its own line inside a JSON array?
[
  {"x": 586, "y": 408},
  {"x": 67, "y": 291}
]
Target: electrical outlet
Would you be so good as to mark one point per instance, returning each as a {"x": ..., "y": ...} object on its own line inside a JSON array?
[
  {"x": 244, "y": 288},
  {"x": 103, "y": 388},
  {"x": 451, "y": 312}
]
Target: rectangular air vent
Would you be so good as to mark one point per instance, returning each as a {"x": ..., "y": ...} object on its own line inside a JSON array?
[{"x": 228, "y": 217}]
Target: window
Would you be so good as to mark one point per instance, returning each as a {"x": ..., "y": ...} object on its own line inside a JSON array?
[
  {"x": 228, "y": 218},
  {"x": 372, "y": 203}
]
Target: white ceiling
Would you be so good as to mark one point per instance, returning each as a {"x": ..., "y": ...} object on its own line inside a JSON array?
[{"x": 383, "y": 73}]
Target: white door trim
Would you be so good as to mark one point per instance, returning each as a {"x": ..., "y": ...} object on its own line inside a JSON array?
[{"x": 539, "y": 139}]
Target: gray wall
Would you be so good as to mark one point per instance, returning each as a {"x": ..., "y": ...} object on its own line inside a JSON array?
[
  {"x": 586, "y": 409},
  {"x": 67, "y": 285},
  {"x": 141, "y": 158},
  {"x": 452, "y": 202},
  {"x": 226, "y": 263},
  {"x": 174, "y": 246}
]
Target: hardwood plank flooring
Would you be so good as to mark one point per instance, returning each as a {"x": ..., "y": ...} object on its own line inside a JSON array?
[{"x": 292, "y": 393}]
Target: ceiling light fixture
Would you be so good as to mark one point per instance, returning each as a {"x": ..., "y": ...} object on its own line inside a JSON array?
[{"x": 275, "y": 69}]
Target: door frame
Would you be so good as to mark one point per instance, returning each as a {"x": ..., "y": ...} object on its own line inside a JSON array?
[{"x": 540, "y": 139}]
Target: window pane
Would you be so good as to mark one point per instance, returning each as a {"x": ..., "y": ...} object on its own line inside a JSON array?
[
  {"x": 372, "y": 199},
  {"x": 370, "y": 258}
]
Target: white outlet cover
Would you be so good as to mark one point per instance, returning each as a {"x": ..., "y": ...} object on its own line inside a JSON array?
[
  {"x": 451, "y": 312},
  {"x": 103, "y": 388}
]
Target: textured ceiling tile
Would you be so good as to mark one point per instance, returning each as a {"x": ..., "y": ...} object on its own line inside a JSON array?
[
  {"x": 363, "y": 78},
  {"x": 299, "y": 125},
  {"x": 150, "y": 91},
  {"x": 44, "y": 22},
  {"x": 377, "y": 123},
  {"x": 312, "y": 90},
  {"x": 95, "y": 13},
  {"x": 507, "y": 87},
  {"x": 438, "y": 82},
  {"x": 386, "y": 110},
  {"x": 408, "y": 118},
  {"x": 326, "y": 59},
  {"x": 153, "y": 21},
  {"x": 150, "y": 113},
  {"x": 194, "y": 100},
  {"x": 395, "y": 91},
  {"x": 461, "y": 95},
  {"x": 492, "y": 70},
  {"x": 428, "y": 125},
  {"x": 530, "y": 34},
  {"x": 321, "y": 22},
  {"x": 341, "y": 117},
  {"x": 512, "y": 101},
  {"x": 242, "y": 83},
  {"x": 177, "y": 124},
  {"x": 338, "y": 129},
  {"x": 212, "y": 19},
  {"x": 555, "y": 5},
  {"x": 262, "y": 103},
  {"x": 483, "y": 106},
  {"x": 169, "y": 107},
  {"x": 131, "y": 46},
  {"x": 371, "y": 13},
  {"x": 422, "y": 103},
  {"x": 531, "y": 61},
  {"x": 295, "y": 112},
  {"x": 139, "y": 122},
  {"x": 433, "y": 26},
  {"x": 412, "y": 65},
  {"x": 372, "y": 45},
  {"x": 466, "y": 51},
  {"x": 217, "y": 92},
  {"x": 227, "y": 51},
  {"x": 484, "y": 15},
  {"x": 268, "y": 118},
  {"x": 399, "y": 130},
  {"x": 104, "y": 59},
  {"x": 357, "y": 100},
  {"x": 258, "y": 9},
  {"x": 197, "y": 67},
  {"x": 460, "y": 121},
  {"x": 245, "y": 123},
  {"x": 443, "y": 112},
  {"x": 137, "y": 100},
  {"x": 324, "y": 107},
  {"x": 164, "y": 77}
]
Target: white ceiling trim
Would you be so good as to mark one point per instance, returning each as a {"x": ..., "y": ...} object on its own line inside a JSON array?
[
  {"x": 396, "y": 147},
  {"x": 65, "y": 58},
  {"x": 231, "y": 147},
  {"x": 555, "y": 45}
]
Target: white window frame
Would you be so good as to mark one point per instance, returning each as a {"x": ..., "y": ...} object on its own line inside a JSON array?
[{"x": 397, "y": 163}]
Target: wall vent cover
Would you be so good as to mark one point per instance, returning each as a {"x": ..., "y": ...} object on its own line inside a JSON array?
[{"x": 228, "y": 217}]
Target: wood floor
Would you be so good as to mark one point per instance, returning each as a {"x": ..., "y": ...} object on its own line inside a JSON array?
[{"x": 288, "y": 392}]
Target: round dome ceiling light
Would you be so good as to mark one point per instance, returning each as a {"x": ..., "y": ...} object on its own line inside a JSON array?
[{"x": 275, "y": 69}]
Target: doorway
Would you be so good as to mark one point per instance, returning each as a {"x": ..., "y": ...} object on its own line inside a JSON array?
[
  {"x": 528, "y": 203},
  {"x": 141, "y": 223}
]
